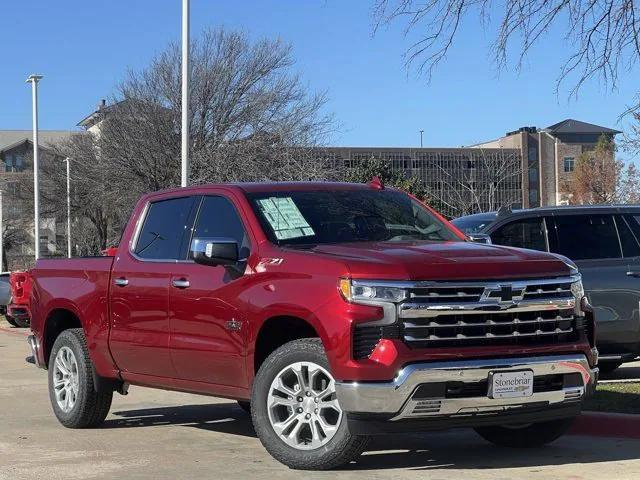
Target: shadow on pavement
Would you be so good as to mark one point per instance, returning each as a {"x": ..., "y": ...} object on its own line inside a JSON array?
[
  {"x": 219, "y": 417},
  {"x": 459, "y": 449}
]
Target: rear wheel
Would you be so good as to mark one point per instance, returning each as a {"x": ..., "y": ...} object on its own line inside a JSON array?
[
  {"x": 296, "y": 413},
  {"x": 526, "y": 435},
  {"x": 74, "y": 398}
]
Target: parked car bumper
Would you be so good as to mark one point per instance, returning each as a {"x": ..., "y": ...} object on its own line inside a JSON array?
[{"x": 448, "y": 391}]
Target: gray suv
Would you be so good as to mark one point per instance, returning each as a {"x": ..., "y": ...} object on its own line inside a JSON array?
[{"x": 603, "y": 241}]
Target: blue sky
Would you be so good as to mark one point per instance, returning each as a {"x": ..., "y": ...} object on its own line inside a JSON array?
[{"x": 83, "y": 48}]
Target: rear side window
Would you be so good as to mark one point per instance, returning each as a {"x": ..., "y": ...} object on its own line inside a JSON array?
[
  {"x": 218, "y": 218},
  {"x": 629, "y": 240},
  {"x": 526, "y": 233},
  {"x": 163, "y": 234},
  {"x": 587, "y": 237}
]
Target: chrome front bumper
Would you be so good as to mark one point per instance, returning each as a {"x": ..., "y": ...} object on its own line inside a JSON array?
[{"x": 396, "y": 398}]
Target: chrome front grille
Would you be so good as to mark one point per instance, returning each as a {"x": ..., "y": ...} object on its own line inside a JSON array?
[{"x": 472, "y": 314}]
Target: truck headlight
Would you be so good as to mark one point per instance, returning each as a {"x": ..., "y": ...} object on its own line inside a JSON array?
[
  {"x": 578, "y": 290},
  {"x": 578, "y": 293},
  {"x": 368, "y": 292},
  {"x": 378, "y": 293}
]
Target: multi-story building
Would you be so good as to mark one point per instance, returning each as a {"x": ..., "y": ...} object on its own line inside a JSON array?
[
  {"x": 525, "y": 168},
  {"x": 549, "y": 156}
]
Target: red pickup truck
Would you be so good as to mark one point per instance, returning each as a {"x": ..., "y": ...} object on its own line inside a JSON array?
[{"x": 331, "y": 311}]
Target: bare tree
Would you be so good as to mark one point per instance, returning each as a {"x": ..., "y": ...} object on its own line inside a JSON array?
[
  {"x": 251, "y": 117},
  {"x": 483, "y": 184},
  {"x": 14, "y": 235},
  {"x": 603, "y": 34}
]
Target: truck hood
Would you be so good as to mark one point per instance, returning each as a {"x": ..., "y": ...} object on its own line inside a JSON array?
[{"x": 443, "y": 261}]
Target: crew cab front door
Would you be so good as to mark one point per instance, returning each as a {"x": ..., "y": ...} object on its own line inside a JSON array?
[
  {"x": 207, "y": 326},
  {"x": 139, "y": 336}
]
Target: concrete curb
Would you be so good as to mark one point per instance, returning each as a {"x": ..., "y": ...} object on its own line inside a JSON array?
[{"x": 601, "y": 424}]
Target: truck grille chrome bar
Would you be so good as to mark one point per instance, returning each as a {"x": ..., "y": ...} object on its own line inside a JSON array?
[{"x": 472, "y": 314}]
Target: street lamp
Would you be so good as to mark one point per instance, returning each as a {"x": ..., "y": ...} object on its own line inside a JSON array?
[
  {"x": 421, "y": 132},
  {"x": 67, "y": 160},
  {"x": 185, "y": 93},
  {"x": 33, "y": 80}
]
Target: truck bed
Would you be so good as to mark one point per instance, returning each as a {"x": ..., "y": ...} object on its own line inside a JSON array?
[{"x": 79, "y": 285}]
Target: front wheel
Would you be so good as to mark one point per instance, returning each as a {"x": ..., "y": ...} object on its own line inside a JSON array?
[
  {"x": 74, "y": 398},
  {"x": 11, "y": 320},
  {"x": 527, "y": 435},
  {"x": 296, "y": 413}
]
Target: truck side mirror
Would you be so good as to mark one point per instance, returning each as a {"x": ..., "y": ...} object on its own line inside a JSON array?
[
  {"x": 480, "y": 238},
  {"x": 214, "y": 251}
]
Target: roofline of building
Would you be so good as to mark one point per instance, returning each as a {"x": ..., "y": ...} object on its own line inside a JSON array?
[{"x": 414, "y": 148}]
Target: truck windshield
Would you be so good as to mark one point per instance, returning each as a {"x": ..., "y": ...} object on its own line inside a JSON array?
[{"x": 312, "y": 217}]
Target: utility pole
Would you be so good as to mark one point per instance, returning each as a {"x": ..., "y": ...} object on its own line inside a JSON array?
[
  {"x": 68, "y": 208},
  {"x": 185, "y": 93},
  {"x": 33, "y": 80},
  {"x": 421, "y": 132}
]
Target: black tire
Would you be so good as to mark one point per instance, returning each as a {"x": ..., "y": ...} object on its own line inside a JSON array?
[
  {"x": 526, "y": 436},
  {"x": 91, "y": 407},
  {"x": 11, "y": 320},
  {"x": 339, "y": 450},
  {"x": 608, "y": 367},
  {"x": 245, "y": 405}
]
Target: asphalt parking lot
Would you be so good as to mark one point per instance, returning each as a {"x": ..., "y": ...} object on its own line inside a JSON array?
[{"x": 152, "y": 434}]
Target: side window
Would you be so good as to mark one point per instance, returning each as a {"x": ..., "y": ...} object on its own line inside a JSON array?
[
  {"x": 218, "y": 218},
  {"x": 628, "y": 238},
  {"x": 526, "y": 233},
  {"x": 164, "y": 230},
  {"x": 585, "y": 237}
]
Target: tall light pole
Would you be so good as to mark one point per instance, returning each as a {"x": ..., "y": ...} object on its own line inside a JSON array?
[
  {"x": 185, "y": 93},
  {"x": 68, "y": 208},
  {"x": 33, "y": 80},
  {"x": 421, "y": 132}
]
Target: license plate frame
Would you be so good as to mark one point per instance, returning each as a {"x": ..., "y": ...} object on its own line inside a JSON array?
[{"x": 505, "y": 384}]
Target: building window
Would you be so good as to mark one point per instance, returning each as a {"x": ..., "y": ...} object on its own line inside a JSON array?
[{"x": 569, "y": 164}]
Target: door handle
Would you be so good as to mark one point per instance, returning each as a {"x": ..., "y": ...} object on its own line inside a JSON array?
[
  {"x": 121, "y": 282},
  {"x": 633, "y": 274},
  {"x": 180, "y": 283}
]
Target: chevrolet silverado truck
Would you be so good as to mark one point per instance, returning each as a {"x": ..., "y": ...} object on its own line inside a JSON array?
[{"x": 331, "y": 312}]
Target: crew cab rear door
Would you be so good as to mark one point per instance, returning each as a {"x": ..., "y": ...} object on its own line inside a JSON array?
[
  {"x": 139, "y": 337},
  {"x": 606, "y": 253}
]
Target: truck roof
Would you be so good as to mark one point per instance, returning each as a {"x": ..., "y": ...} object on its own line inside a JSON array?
[{"x": 254, "y": 187}]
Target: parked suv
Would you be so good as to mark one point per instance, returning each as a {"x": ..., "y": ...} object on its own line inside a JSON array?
[
  {"x": 603, "y": 241},
  {"x": 331, "y": 311}
]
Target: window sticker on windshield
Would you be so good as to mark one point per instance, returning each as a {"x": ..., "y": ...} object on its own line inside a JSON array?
[{"x": 285, "y": 218}]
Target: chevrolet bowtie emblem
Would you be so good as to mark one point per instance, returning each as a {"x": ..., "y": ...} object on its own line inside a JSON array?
[
  {"x": 233, "y": 325},
  {"x": 506, "y": 293}
]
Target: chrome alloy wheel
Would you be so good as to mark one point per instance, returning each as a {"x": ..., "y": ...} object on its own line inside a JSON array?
[
  {"x": 65, "y": 379},
  {"x": 303, "y": 407}
]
